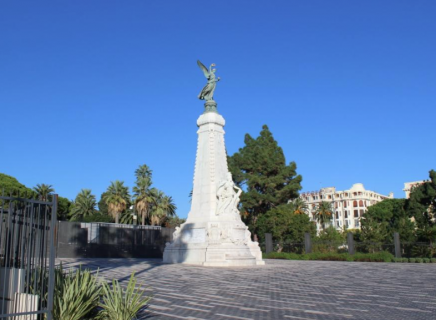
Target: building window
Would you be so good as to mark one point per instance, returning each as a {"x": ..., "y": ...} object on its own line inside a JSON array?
[
  {"x": 346, "y": 223},
  {"x": 345, "y": 204},
  {"x": 356, "y": 222},
  {"x": 361, "y": 203},
  {"x": 337, "y": 215},
  {"x": 346, "y": 214},
  {"x": 361, "y": 212},
  {"x": 356, "y": 213},
  {"x": 355, "y": 203}
]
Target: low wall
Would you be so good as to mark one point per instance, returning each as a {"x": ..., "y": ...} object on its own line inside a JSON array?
[{"x": 110, "y": 240}]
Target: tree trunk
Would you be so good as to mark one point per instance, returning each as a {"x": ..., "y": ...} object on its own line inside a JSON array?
[{"x": 143, "y": 219}]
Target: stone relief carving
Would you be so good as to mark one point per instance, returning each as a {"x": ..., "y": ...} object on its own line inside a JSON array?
[{"x": 228, "y": 197}]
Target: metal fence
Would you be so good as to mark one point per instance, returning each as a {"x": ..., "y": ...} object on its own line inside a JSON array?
[
  {"x": 110, "y": 240},
  {"x": 349, "y": 245},
  {"x": 27, "y": 258}
]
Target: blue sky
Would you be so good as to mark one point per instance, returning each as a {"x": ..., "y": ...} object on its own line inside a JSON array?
[{"x": 89, "y": 90}]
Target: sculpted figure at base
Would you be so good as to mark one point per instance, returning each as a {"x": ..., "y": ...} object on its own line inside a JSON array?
[
  {"x": 207, "y": 92},
  {"x": 228, "y": 197}
]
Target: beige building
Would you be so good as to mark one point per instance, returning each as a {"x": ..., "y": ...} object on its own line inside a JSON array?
[
  {"x": 348, "y": 205},
  {"x": 409, "y": 185}
]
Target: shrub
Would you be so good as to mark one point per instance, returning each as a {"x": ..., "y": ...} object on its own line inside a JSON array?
[
  {"x": 426, "y": 260},
  {"x": 397, "y": 260},
  {"x": 418, "y": 260},
  {"x": 382, "y": 256},
  {"x": 76, "y": 295},
  {"x": 412, "y": 260},
  {"x": 404, "y": 260},
  {"x": 122, "y": 305},
  {"x": 433, "y": 260},
  {"x": 367, "y": 257}
]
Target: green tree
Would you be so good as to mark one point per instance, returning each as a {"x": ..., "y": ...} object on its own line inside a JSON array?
[
  {"x": 285, "y": 225},
  {"x": 117, "y": 199},
  {"x": 422, "y": 203},
  {"x": 172, "y": 222},
  {"x": 393, "y": 216},
  {"x": 329, "y": 240},
  {"x": 300, "y": 206},
  {"x": 84, "y": 205},
  {"x": 98, "y": 217},
  {"x": 102, "y": 205},
  {"x": 143, "y": 197},
  {"x": 260, "y": 169},
  {"x": 10, "y": 186},
  {"x": 64, "y": 207},
  {"x": 374, "y": 232},
  {"x": 43, "y": 191},
  {"x": 324, "y": 213},
  {"x": 163, "y": 208}
]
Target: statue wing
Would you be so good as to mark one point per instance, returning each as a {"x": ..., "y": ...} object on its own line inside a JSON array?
[{"x": 203, "y": 68}]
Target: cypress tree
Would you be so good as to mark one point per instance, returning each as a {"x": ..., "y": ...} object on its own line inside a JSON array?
[{"x": 260, "y": 169}]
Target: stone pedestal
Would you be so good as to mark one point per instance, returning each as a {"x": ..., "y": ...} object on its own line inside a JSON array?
[{"x": 213, "y": 234}]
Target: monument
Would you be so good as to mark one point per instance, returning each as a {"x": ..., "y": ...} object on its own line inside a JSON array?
[{"x": 213, "y": 234}]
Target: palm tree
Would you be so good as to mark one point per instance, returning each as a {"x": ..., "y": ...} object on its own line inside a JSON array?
[
  {"x": 84, "y": 204},
  {"x": 300, "y": 206},
  {"x": 143, "y": 172},
  {"x": 43, "y": 191},
  {"x": 143, "y": 198},
  {"x": 117, "y": 198},
  {"x": 324, "y": 213},
  {"x": 163, "y": 208}
]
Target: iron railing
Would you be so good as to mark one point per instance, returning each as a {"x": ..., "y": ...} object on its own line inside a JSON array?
[{"x": 27, "y": 257}]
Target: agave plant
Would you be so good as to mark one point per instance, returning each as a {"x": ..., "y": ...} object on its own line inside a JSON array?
[
  {"x": 76, "y": 295},
  {"x": 122, "y": 305}
]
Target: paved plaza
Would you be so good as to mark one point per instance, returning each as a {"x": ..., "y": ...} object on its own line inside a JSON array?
[{"x": 280, "y": 290}]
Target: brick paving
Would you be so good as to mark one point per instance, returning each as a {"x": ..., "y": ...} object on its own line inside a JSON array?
[{"x": 282, "y": 289}]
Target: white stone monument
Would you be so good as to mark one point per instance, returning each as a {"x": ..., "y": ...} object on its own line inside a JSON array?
[{"x": 213, "y": 234}]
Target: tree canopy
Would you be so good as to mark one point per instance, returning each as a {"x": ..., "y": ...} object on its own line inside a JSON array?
[
  {"x": 10, "y": 185},
  {"x": 260, "y": 169}
]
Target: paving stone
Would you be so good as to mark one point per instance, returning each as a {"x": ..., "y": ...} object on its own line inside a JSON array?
[{"x": 282, "y": 289}]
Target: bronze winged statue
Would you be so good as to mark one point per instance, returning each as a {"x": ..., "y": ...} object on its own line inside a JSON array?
[{"x": 209, "y": 88}]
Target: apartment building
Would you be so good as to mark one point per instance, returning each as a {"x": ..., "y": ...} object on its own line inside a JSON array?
[
  {"x": 409, "y": 185},
  {"x": 348, "y": 205}
]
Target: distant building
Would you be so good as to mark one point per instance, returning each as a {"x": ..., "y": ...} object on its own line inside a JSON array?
[
  {"x": 409, "y": 185},
  {"x": 348, "y": 205}
]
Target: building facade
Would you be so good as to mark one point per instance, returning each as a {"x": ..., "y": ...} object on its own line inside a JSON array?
[
  {"x": 409, "y": 185},
  {"x": 348, "y": 206}
]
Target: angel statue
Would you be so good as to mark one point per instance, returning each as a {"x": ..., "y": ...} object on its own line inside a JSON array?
[{"x": 207, "y": 92}]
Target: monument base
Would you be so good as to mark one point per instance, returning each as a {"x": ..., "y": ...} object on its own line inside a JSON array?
[{"x": 218, "y": 244}]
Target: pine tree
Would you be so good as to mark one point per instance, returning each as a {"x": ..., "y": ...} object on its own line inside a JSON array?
[{"x": 260, "y": 169}]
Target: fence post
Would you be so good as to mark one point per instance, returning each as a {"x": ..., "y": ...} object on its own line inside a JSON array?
[
  {"x": 307, "y": 243},
  {"x": 268, "y": 243},
  {"x": 397, "y": 245},
  {"x": 350, "y": 242}
]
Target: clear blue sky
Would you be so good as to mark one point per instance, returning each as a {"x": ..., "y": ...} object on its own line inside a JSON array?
[{"x": 89, "y": 90}]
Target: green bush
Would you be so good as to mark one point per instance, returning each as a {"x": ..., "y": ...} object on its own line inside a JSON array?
[
  {"x": 412, "y": 260},
  {"x": 397, "y": 260},
  {"x": 405, "y": 260},
  {"x": 76, "y": 295},
  {"x": 418, "y": 260},
  {"x": 433, "y": 260},
  {"x": 382, "y": 256},
  {"x": 426, "y": 260},
  {"x": 122, "y": 305},
  {"x": 367, "y": 257}
]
